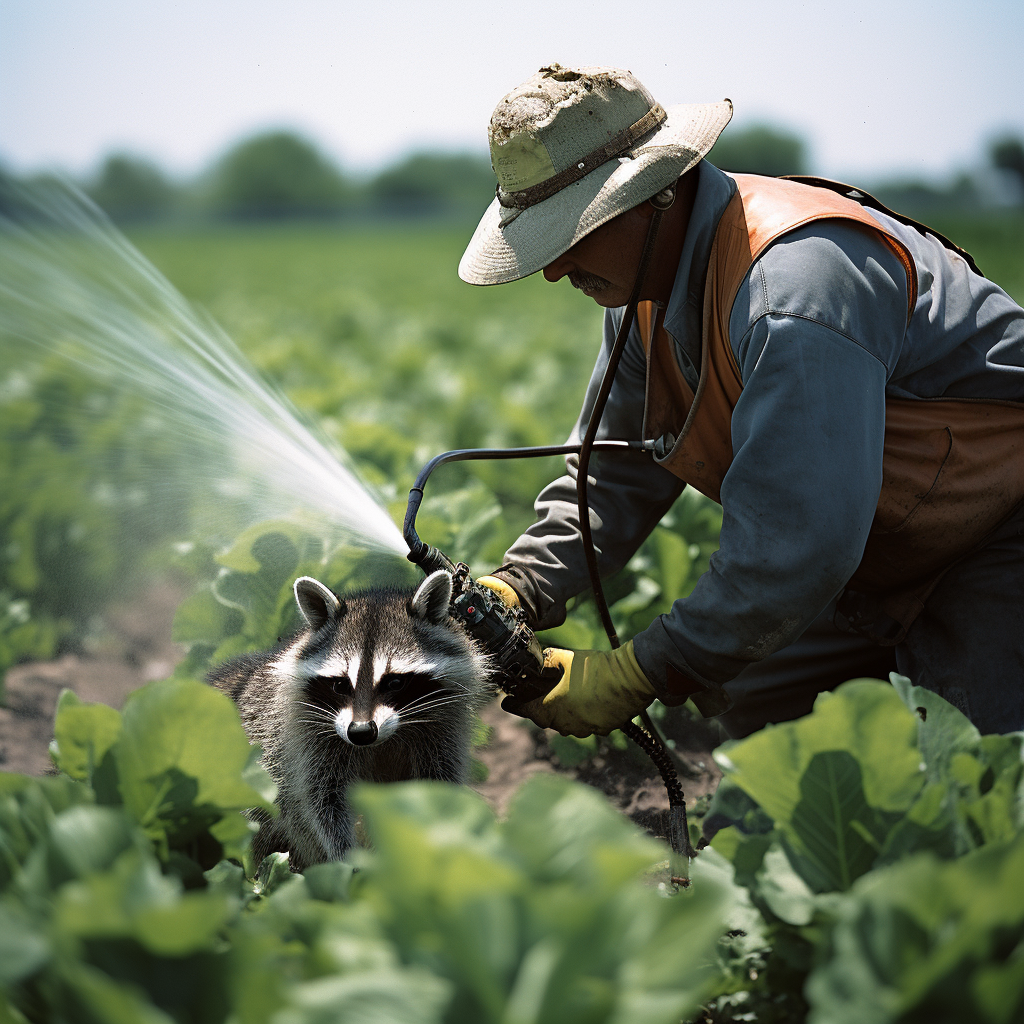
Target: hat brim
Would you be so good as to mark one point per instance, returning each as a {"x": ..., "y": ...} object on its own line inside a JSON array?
[{"x": 530, "y": 239}]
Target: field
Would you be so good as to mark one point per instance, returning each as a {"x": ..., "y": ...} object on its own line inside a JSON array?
[{"x": 864, "y": 862}]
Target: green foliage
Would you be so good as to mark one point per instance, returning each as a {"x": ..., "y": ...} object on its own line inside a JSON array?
[
  {"x": 277, "y": 174},
  {"x": 994, "y": 242},
  {"x": 759, "y": 149},
  {"x": 1007, "y": 153},
  {"x": 175, "y": 761},
  {"x": 861, "y": 833},
  {"x": 106, "y": 881},
  {"x": 434, "y": 183},
  {"x": 111, "y": 875},
  {"x": 868, "y": 872},
  {"x": 928, "y": 201},
  {"x": 928, "y": 940},
  {"x": 131, "y": 189},
  {"x": 92, "y": 482}
]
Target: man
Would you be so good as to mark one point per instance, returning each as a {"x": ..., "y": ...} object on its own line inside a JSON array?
[{"x": 843, "y": 381}]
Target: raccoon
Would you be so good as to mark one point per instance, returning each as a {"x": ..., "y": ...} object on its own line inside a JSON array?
[{"x": 380, "y": 686}]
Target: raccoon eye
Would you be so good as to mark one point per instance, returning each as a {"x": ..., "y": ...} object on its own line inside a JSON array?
[
  {"x": 392, "y": 683},
  {"x": 339, "y": 684}
]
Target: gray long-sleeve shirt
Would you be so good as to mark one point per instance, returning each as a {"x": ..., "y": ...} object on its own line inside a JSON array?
[{"x": 819, "y": 328}]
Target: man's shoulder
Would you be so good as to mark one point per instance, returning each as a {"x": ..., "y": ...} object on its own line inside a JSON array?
[
  {"x": 830, "y": 273},
  {"x": 823, "y": 268}
]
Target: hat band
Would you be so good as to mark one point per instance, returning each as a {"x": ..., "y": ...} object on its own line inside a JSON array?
[{"x": 626, "y": 139}]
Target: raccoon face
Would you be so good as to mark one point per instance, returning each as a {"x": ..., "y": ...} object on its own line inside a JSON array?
[{"x": 383, "y": 661}]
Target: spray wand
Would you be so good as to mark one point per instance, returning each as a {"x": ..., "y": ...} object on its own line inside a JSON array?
[
  {"x": 505, "y": 633},
  {"x": 501, "y": 629}
]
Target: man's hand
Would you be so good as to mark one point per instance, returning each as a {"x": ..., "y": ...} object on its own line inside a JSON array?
[
  {"x": 502, "y": 589},
  {"x": 599, "y": 691},
  {"x": 511, "y": 600}
]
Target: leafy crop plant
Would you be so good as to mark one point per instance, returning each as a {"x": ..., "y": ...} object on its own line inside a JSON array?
[{"x": 126, "y": 895}]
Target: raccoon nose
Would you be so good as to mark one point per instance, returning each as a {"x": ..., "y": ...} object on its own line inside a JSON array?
[{"x": 362, "y": 733}]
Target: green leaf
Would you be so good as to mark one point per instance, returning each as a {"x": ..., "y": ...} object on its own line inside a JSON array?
[
  {"x": 202, "y": 618},
  {"x": 392, "y": 995},
  {"x": 572, "y": 751},
  {"x": 28, "y": 807},
  {"x": 270, "y": 546},
  {"x": 181, "y": 760},
  {"x": 561, "y": 830},
  {"x": 918, "y": 940},
  {"x": 674, "y": 563},
  {"x": 134, "y": 900},
  {"x": 836, "y": 834},
  {"x": 575, "y": 634},
  {"x": 975, "y": 780},
  {"x": 23, "y": 949},
  {"x": 783, "y": 891},
  {"x": 84, "y": 840},
  {"x": 942, "y": 730},
  {"x": 8, "y": 1013},
  {"x": 273, "y": 872},
  {"x": 83, "y": 734},
  {"x": 95, "y": 997},
  {"x": 543, "y": 914},
  {"x": 835, "y": 782},
  {"x": 330, "y": 882}
]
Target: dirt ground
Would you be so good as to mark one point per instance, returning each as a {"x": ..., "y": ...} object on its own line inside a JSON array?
[{"x": 135, "y": 647}]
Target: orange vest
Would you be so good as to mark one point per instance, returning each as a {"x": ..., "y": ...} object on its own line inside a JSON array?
[{"x": 952, "y": 469}]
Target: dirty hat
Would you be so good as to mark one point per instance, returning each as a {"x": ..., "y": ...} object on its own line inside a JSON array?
[{"x": 572, "y": 148}]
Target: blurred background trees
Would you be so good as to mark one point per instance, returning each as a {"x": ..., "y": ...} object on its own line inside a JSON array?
[
  {"x": 1008, "y": 155},
  {"x": 282, "y": 175},
  {"x": 760, "y": 149},
  {"x": 131, "y": 188},
  {"x": 434, "y": 183},
  {"x": 273, "y": 175}
]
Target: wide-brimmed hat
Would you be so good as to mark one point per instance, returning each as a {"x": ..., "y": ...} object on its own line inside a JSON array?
[{"x": 572, "y": 148}]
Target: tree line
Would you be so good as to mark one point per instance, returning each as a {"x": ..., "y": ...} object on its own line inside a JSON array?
[{"x": 280, "y": 175}]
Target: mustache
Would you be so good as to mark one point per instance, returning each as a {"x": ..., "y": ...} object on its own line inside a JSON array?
[{"x": 588, "y": 282}]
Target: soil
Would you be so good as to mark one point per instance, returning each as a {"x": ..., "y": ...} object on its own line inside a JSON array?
[{"x": 134, "y": 646}]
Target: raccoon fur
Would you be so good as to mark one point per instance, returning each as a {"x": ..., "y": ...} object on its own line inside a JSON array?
[{"x": 379, "y": 686}]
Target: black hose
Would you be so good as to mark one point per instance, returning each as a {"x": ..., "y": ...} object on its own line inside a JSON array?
[
  {"x": 648, "y": 740},
  {"x": 417, "y": 547},
  {"x": 428, "y": 558},
  {"x": 587, "y": 445}
]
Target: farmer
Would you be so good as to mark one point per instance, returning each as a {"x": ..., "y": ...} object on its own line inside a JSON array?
[{"x": 844, "y": 383}]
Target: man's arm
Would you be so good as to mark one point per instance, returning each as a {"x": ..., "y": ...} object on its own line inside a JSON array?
[
  {"x": 817, "y": 331},
  {"x": 628, "y": 495}
]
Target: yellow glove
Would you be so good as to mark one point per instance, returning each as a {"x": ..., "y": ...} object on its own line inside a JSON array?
[
  {"x": 501, "y": 588},
  {"x": 599, "y": 691},
  {"x": 511, "y": 599}
]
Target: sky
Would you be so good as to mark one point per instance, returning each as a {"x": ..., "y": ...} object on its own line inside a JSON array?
[{"x": 884, "y": 87}]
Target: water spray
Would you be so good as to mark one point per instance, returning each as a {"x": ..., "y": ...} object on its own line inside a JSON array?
[{"x": 74, "y": 290}]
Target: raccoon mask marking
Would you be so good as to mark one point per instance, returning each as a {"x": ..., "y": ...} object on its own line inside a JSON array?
[
  {"x": 379, "y": 686},
  {"x": 367, "y": 689}
]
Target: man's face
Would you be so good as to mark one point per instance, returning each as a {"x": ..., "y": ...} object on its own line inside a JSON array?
[{"x": 603, "y": 264}]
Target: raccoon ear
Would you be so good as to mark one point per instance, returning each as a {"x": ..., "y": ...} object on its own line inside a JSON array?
[
  {"x": 432, "y": 597},
  {"x": 317, "y": 604}
]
